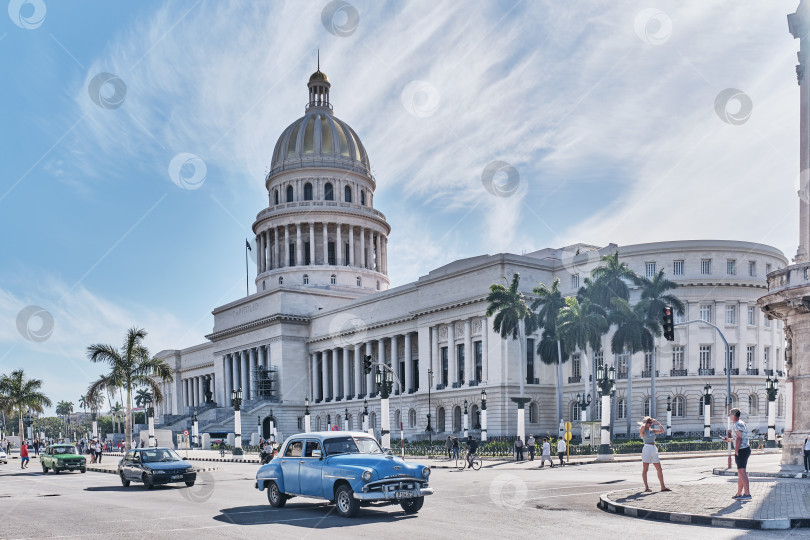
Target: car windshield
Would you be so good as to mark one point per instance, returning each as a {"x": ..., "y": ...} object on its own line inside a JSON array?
[
  {"x": 158, "y": 454},
  {"x": 351, "y": 445},
  {"x": 64, "y": 450}
]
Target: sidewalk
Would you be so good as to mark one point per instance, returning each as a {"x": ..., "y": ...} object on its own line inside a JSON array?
[
  {"x": 111, "y": 467},
  {"x": 768, "y": 469}
]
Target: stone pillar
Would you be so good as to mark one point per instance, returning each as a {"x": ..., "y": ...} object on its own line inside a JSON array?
[
  {"x": 384, "y": 255},
  {"x": 244, "y": 368},
  {"x": 335, "y": 374},
  {"x": 452, "y": 361},
  {"x": 266, "y": 250},
  {"x": 325, "y": 243},
  {"x": 299, "y": 257},
  {"x": 324, "y": 375},
  {"x": 259, "y": 268},
  {"x": 469, "y": 354},
  {"x": 252, "y": 363},
  {"x": 346, "y": 382},
  {"x": 287, "y": 237},
  {"x": 227, "y": 362},
  {"x": 437, "y": 359},
  {"x": 339, "y": 246},
  {"x": 277, "y": 244},
  {"x": 408, "y": 382},
  {"x": 351, "y": 246},
  {"x": 370, "y": 376},
  {"x": 485, "y": 349},
  {"x": 358, "y": 370},
  {"x": 185, "y": 393},
  {"x": 362, "y": 248},
  {"x": 312, "y": 243},
  {"x": 377, "y": 255}
]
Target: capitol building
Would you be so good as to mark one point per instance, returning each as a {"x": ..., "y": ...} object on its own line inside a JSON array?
[{"x": 323, "y": 301}]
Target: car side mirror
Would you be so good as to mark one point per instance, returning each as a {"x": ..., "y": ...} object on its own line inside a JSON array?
[{"x": 316, "y": 453}]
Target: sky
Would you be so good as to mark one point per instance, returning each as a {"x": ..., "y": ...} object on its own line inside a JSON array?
[{"x": 136, "y": 136}]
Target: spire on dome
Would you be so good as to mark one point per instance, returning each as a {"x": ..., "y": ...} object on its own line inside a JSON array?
[{"x": 319, "y": 88}]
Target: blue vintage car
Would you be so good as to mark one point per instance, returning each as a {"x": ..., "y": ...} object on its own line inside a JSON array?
[{"x": 344, "y": 467}]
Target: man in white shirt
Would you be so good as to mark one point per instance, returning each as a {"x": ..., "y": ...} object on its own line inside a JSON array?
[
  {"x": 807, "y": 454},
  {"x": 561, "y": 450},
  {"x": 546, "y": 453}
]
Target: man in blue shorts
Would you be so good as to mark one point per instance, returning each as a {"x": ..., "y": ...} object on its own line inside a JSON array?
[{"x": 742, "y": 451}]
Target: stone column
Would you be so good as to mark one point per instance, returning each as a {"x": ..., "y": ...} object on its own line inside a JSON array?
[
  {"x": 325, "y": 243},
  {"x": 259, "y": 268},
  {"x": 299, "y": 257},
  {"x": 185, "y": 392},
  {"x": 385, "y": 254},
  {"x": 362, "y": 248},
  {"x": 437, "y": 359},
  {"x": 346, "y": 382},
  {"x": 286, "y": 247},
  {"x": 277, "y": 245},
  {"x": 335, "y": 374},
  {"x": 408, "y": 382},
  {"x": 395, "y": 359},
  {"x": 351, "y": 245},
  {"x": 244, "y": 371},
  {"x": 469, "y": 356},
  {"x": 324, "y": 375},
  {"x": 312, "y": 243},
  {"x": 370, "y": 376},
  {"x": 227, "y": 366},
  {"x": 358, "y": 370},
  {"x": 266, "y": 252},
  {"x": 252, "y": 363},
  {"x": 484, "y": 349},
  {"x": 339, "y": 246},
  {"x": 452, "y": 361},
  {"x": 377, "y": 255}
]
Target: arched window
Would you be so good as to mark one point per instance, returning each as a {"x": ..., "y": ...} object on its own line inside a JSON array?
[
  {"x": 397, "y": 420},
  {"x": 318, "y": 423},
  {"x": 701, "y": 403},
  {"x": 275, "y": 198},
  {"x": 347, "y": 194},
  {"x": 359, "y": 282},
  {"x": 372, "y": 420},
  {"x": 734, "y": 401},
  {"x": 338, "y": 422},
  {"x": 576, "y": 411},
  {"x": 350, "y": 419},
  {"x": 333, "y": 279},
  {"x": 362, "y": 197},
  {"x": 412, "y": 418},
  {"x": 264, "y": 284},
  {"x": 440, "y": 420},
  {"x": 281, "y": 280},
  {"x": 307, "y": 191},
  {"x": 780, "y": 411},
  {"x": 306, "y": 279},
  {"x": 678, "y": 407},
  {"x": 621, "y": 408},
  {"x": 598, "y": 415},
  {"x": 456, "y": 418},
  {"x": 647, "y": 406},
  {"x": 475, "y": 417},
  {"x": 533, "y": 413},
  {"x": 328, "y": 193},
  {"x": 289, "y": 194},
  {"x": 378, "y": 284},
  {"x": 753, "y": 403}
]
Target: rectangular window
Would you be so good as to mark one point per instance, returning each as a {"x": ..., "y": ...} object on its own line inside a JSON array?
[
  {"x": 621, "y": 364},
  {"x": 346, "y": 254},
  {"x": 460, "y": 362},
  {"x": 768, "y": 268},
  {"x": 677, "y": 268},
  {"x": 599, "y": 358},
  {"x": 705, "y": 356},
  {"x": 647, "y": 361},
  {"x": 705, "y": 266},
  {"x": 649, "y": 270},
  {"x": 731, "y": 267},
  {"x": 677, "y": 357},
  {"x": 750, "y": 356},
  {"x": 732, "y": 356},
  {"x": 731, "y": 314},
  {"x": 767, "y": 322},
  {"x": 752, "y": 315},
  {"x": 575, "y": 281},
  {"x": 679, "y": 317},
  {"x": 766, "y": 358},
  {"x": 291, "y": 251},
  {"x": 306, "y": 253},
  {"x": 576, "y": 363},
  {"x": 479, "y": 361},
  {"x": 330, "y": 253},
  {"x": 752, "y": 268},
  {"x": 706, "y": 313},
  {"x": 444, "y": 366},
  {"x": 530, "y": 361}
]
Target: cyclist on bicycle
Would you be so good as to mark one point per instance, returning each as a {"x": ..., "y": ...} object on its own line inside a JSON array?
[{"x": 472, "y": 448}]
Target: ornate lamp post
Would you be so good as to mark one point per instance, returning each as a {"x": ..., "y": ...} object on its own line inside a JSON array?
[
  {"x": 150, "y": 422},
  {"x": 195, "y": 430},
  {"x": 307, "y": 417},
  {"x": 328, "y": 422},
  {"x": 669, "y": 416},
  {"x": 772, "y": 388},
  {"x": 483, "y": 415},
  {"x": 236, "y": 402},
  {"x": 466, "y": 425},
  {"x": 707, "y": 412},
  {"x": 273, "y": 431},
  {"x": 385, "y": 382},
  {"x": 429, "y": 428},
  {"x": 583, "y": 406},
  {"x": 346, "y": 420},
  {"x": 259, "y": 427},
  {"x": 365, "y": 415},
  {"x": 606, "y": 382}
]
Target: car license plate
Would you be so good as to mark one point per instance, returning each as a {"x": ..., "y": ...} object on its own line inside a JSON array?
[
  {"x": 405, "y": 494},
  {"x": 177, "y": 477}
]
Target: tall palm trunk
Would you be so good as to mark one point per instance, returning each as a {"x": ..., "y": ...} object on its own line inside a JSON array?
[
  {"x": 653, "y": 398},
  {"x": 559, "y": 383},
  {"x": 629, "y": 399},
  {"x": 596, "y": 398},
  {"x": 128, "y": 421},
  {"x": 21, "y": 425},
  {"x": 585, "y": 377},
  {"x": 521, "y": 418}
]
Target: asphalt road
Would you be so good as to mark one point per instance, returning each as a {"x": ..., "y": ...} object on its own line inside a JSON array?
[{"x": 492, "y": 502}]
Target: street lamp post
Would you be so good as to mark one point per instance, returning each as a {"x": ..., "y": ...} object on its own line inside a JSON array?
[
  {"x": 772, "y": 388},
  {"x": 195, "y": 430},
  {"x": 328, "y": 422},
  {"x": 272, "y": 427},
  {"x": 365, "y": 415},
  {"x": 259, "y": 427},
  {"x": 606, "y": 382},
  {"x": 429, "y": 428},
  {"x": 584, "y": 403},
  {"x": 466, "y": 421},
  {"x": 346, "y": 420},
  {"x": 669, "y": 416},
  {"x": 385, "y": 382},
  {"x": 707, "y": 412},
  {"x": 483, "y": 415},
  {"x": 236, "y": 402},
  {"x": 307, "y": 417},
  {"x": 150, "y": 422}
]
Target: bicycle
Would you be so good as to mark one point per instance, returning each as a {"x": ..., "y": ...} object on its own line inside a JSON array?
[{"x": 462, "y": 463}]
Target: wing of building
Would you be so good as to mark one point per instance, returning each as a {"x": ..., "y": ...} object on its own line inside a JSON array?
[{"x": 322, "y": 303}]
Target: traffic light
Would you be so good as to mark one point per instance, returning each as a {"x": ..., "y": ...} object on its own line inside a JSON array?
[
  {"x": 367, "y": 365},
  {"x": 668, "y": 325}
]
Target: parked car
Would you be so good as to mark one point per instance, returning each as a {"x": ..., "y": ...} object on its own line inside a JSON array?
[
  {"x": 62, "y": 457},
  {"x": 3, "y": 457},
  {"x": 155, "y": 466},
  {"x": 346, "y": 468}
]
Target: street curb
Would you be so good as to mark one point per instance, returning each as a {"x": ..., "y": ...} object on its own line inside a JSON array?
[
  {"x": 731, "y": 472},
  {"x": 115, "y": 471},
  {"x": 695, "y": 519},
  {"x": 220, "y": 460}
]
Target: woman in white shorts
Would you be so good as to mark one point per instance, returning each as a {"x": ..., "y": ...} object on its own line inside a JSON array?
[{"x": 649, "y": 453}]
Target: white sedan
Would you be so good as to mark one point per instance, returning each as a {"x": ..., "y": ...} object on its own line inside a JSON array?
[{"x": 3, "y": 457}]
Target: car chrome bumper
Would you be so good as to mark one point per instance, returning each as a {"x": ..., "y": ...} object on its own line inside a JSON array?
[{"x": 391, "y": 496}]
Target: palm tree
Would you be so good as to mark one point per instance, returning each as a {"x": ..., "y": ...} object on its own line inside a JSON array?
[
  {"x": 130, "y": 367},
  {"x": 63, "y": 409},
  {"x": 115, "y": 412},
  {"x": 582, "y": 324},
  {"x": 514, "y": 319},
  {"x": 18, "y": 394},
  {"x": 610, "y": 280},
  {"x": 655, "y": 291},
  {"x": 547, "y": 306},
  {"x": 634, "y": 333},
  {"x": 142, "y": 396}
]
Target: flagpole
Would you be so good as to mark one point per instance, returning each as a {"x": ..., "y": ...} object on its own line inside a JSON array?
[{"x": 247, "y": 273}]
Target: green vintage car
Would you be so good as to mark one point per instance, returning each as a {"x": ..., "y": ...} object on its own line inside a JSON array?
[{"x": 62, "y": 457}]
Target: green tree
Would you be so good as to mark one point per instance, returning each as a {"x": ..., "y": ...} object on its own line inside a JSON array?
[
  {"x": 610, "y": 281},
  {"x": 19, "y": 394},
  {"x": 634, "y": 333},
  {"x": 547, "y": 307},
  {"x": 63, "y": 410},
  {"x": 142, "y": 396},
  {"x": 514, "y": 319},
  {"x": 130, "y": 366},
  {"x": 656, "y": 292}
]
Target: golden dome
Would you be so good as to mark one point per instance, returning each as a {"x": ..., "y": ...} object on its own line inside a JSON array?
[{"x": 318, "y": 76}]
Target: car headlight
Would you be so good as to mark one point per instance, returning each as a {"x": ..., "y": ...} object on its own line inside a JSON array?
[
  {"x": 366, "y": 475},
  {"x": 426, "y": 473},
  {"x": 60, "y": 462}
]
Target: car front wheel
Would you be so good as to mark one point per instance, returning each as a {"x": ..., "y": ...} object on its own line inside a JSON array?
[
  {"x": 56, "y": 470},
  {"x": 412, "y": 506},
  {"x": 190, "y": 484},
  {"x": 274, "y": 496},
  {"x": 346, "y": 504},
  {"x": 147, "y": 482},
  {"x": 44, "y": 469},
  {"x": 124, "y": 481}
]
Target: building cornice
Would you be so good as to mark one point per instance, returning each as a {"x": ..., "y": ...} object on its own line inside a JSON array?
[{"x": 258, "y": 323}]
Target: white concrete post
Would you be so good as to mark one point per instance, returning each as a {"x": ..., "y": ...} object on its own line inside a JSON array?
[
  {"x": 385, "y": 424},
  {"x": 707, "y": 427},
  {"x": 483, "y": 425},
  {"x": 307, "y": 423},
  {"x": 237, "y": 429}
]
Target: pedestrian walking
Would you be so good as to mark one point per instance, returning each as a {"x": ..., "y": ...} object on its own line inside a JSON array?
[
  {"x": 519, "y": 449},
  {"x": 24, "y": 455},
  {"x": 546, "y": 453},
  {"x": 649, "y": 454},
  {"x": 99, "y": 448},
  {"x": 449, "y": 445},
  {"x": 742, "y": 451},
  {"x": 807, "y": 454},
  {"x": 531, "y": 444},
  {"x": 561, "y": 450},
  {"x": 455, "y": 448}
]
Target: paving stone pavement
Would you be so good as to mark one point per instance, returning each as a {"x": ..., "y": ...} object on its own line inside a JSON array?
[{"x": 771, "y": 500}]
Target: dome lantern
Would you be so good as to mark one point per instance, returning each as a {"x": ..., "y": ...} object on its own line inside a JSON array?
[{"x": 319, "y": 89}]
